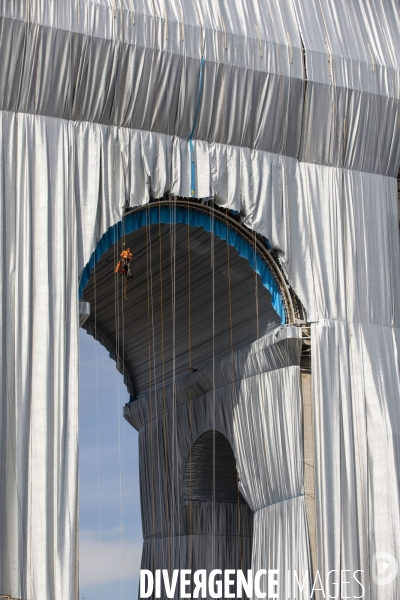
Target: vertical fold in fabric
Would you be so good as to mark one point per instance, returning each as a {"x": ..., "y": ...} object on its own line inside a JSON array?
[{"x": 39, "y": 367}]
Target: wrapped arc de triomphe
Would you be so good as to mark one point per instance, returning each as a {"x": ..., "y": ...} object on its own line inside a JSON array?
[{"x": 286, "y": 112}]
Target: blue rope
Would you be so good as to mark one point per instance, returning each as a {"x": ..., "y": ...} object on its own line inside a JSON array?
[{"x": 192, "y": 162}]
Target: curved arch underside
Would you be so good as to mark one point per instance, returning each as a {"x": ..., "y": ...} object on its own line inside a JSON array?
[
  {"x": 210, "y": 485},
  {"x": 181, "y": 311},
  {"x": 222, "y": 226}
]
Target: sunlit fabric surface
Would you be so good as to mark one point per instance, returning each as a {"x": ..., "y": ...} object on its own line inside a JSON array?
[{"x": 97, "y": 102}]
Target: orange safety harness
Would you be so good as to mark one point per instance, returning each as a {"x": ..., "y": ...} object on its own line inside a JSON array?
[{"x": 124, "y": 268}]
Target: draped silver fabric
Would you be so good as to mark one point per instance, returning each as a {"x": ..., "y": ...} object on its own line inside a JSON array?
[
  {"x": 48, "y": 204},
  {"x": 357, "y": 415},
  {"x": 249, "y": 398},
  {"x": 97, "y": 101},
  {"x": 39, "y": 362}
]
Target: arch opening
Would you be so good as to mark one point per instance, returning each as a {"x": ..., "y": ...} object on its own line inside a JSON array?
[
  {"x": 198, "y": 291},
  {"x": 211, "y": 220},
  {"x": 212, "y": 502},
  {"x": 210, "y": 473}
]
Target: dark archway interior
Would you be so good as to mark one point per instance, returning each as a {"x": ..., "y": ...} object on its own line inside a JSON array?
[
  {"x": 210, "y": 473},
  {"x": 191, "y": 297},
  {"x": 211, "y": 500}
]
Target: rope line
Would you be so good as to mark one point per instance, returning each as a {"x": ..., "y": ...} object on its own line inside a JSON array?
[
  {"x": 192, "y": 159},
  {"x": 167, "y": 516},
  {"x": 121, "y": 320},
  {"x": 190, "y": 403},
  {"x": 97, "y": 437},
  {"x": 150, "y": 389},
  {"x": 213, "y": 420}
]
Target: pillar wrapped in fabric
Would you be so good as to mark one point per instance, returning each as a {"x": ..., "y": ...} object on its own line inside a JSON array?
[
  {"x": 267, "y": 128},
  {"x": 231, "y": 490}
]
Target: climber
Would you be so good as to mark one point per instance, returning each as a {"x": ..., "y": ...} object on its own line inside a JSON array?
[{"x": 124, "y": 267}]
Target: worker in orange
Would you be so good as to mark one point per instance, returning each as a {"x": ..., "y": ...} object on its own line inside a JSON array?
[{"x": 124, "y": 268}]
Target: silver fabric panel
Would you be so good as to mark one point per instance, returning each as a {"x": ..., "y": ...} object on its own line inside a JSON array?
[
  {"x": 352, "y": 95},
  {"x": 107, "y": 122},
  {"x": 357, "y": 424},
  {"x": 262, "y": 398},
  {"x": 179, "y": 26},
  {"x": 39, "y": 362},
  {"x": 48, "y": 228},
  {"x": 95, "y": 64},
  {"x": 275, "y": 471},
  {"x": 349, "y": 235},
  {"x": 281, "y": 542},
  {"x": 343, "y": 255}
]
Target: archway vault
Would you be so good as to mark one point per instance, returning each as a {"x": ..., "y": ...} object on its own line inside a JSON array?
[
  {"x": 210, "y": 491},
  {"x": 210, "y": 473},
  {"x": 202, "y": 285}
]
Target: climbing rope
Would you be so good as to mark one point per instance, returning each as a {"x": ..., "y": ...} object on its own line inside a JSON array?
[
  {"x": 149, "y": 335},
  {"x": 213, "y": 418},
  {"x": 97, "y": 433},
  {"x": 190, "y": 398},
  {"x": 233, "y": 388},
  {"x": 165, "y": 435}
]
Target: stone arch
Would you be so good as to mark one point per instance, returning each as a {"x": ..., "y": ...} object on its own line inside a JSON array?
[
  {"x": 224, "y": 226},
  {"x": 212, "y": 503},
  {"x": 251, "y": 253},
  {"x": 207, "y": 479}
]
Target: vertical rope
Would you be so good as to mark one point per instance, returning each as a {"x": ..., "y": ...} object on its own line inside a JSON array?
[
  {"x": 233, "y": 386},
  {"x": 154, "y": 368},
  {"x": 123, "y": 512},
  {"x": 121, "y": 485},
  {"x": 171, "y": 233},
  {"x": 190, "y": 399},
  {"x": 117, "y": 334},
  {"x": 150, "y": 390},
  {"x": 163, "y": 394},
  {"x": 175, "y": 431},
  {"x": 72, "y": 162},
  {"x": 168, "y": 508},
  {"x": 256, "y": 290},
  {"x": 191, "y": 147},
  {"x": 97, "y": 432},
  {"x": 124, "y": 296},
  {"x": 213, "y": 377}
]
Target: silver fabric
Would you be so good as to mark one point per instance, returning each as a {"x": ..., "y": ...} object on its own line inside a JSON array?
[
  {"x": 356, "y": 403},
  {"x": 248, "y": 406},
  {"x": 47, "y": 205},
  {"x": 97, "y": 102},
  {"x": 39, "y": 362},
  {"x": 136, "y": 65}
]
